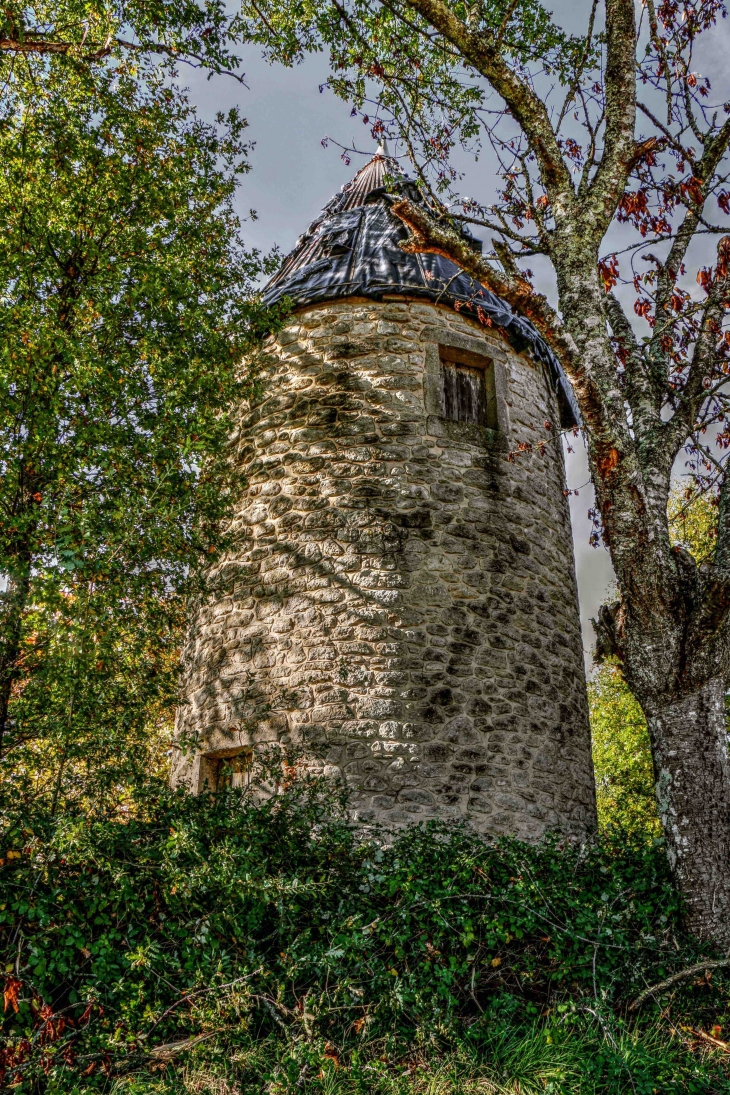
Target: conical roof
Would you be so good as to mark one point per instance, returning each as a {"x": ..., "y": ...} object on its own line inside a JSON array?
[{"x": 352, "y": 250}]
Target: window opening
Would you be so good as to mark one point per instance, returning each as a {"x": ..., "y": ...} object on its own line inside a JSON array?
[
  {"x": 234, "y": 771},
  {"x": 467, "y": 388}
]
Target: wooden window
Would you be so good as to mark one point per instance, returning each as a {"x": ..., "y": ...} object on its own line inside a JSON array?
[
  {"x": 233, "y": 771},
  {"x": 467, "y": 388}
]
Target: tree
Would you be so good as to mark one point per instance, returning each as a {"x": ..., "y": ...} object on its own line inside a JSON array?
[
  {"x": 87, "y": 33},
  {"x": 612, "y": 154},
  {"x": 127, "y": 304},
  {"x": 693, "y": 521}
]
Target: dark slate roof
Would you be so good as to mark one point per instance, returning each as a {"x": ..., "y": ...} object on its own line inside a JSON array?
[{"x": 352, "y": 250}]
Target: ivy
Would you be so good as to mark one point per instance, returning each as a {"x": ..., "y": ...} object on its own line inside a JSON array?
[{"x": 211, "y": 914}]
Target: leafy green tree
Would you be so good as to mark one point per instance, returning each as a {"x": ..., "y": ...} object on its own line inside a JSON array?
[
  {"x": 616, "y": 131},
  {"x": 88, "y": 32},
  {"x": 693, "y": 522},
  {"x": 621, "y": 756},
  {"x": 126, "y": 308}
]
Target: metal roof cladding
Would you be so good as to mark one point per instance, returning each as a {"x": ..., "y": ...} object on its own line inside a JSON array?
[{"x": 352, "y": 250}]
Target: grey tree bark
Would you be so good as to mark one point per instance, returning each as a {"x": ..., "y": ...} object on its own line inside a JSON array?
[{"x": 690, "y": 753}]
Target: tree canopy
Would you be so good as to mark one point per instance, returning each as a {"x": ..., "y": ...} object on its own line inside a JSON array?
[
  {"x": 88, "y": 32},
  {"x": 121, "y": 335}
]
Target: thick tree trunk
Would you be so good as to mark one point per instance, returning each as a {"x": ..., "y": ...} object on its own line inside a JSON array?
[{"x": 692, "y": 771}]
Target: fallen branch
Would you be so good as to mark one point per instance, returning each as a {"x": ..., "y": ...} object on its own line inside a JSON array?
[
  {"x": 716, "y": 1043},
  {"x": 715, "y": 964},
  {"x": 121, "y": 1066},
  {"x": 172, "y": 1049}
]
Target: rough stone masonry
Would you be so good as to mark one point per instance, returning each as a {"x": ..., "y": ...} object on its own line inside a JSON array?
[{"x": 400, "y": 608}]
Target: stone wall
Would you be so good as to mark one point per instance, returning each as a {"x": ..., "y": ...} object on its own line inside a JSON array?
[{"x": 402, "y": 603}]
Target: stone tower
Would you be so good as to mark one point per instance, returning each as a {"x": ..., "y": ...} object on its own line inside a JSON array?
[{"x": 401, "y": 605}]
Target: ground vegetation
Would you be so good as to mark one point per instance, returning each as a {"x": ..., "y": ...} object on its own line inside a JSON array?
[{"x": 215, "y": 944}]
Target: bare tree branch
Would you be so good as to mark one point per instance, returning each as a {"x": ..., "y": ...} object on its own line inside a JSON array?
[
  {"x": 100, "y": 50},
  {"x": 482, "y": 51},
  {"x": 705, "y": 354},
  {"x": 619, "y": 147},
  {"x": 704, "y": 170},
  {"x": 637, "y": 385},
  {"x": 675, "y": 978},
  {"x": 39, "y": 45}
]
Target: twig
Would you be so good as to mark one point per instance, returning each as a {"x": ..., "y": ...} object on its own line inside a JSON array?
[
  {"x": 715, "y": 1042},
  {"x": 172, "y": 1049},
  {"x": 200, "y": 992},
  {"x": 715, "y": 964}
]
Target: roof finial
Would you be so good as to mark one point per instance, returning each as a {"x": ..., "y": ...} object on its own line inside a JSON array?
[{"x": 382, "y": 149}]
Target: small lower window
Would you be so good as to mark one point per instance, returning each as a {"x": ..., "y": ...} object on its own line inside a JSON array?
[
  {"x": 234, "y": 771},
  {"x": 467, "y": 388}
]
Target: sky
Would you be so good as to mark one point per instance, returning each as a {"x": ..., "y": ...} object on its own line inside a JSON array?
[{"x": 292, "y": 178}]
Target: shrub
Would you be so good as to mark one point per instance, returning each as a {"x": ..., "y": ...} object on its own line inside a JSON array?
[{"x": 277, "y": 931}]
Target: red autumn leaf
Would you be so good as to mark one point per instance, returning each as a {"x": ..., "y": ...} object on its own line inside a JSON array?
[
  {"x": 330, "y": 1052},
  {"x": 633, "y": 203},
  {"x": 12, "y": 992},
  {"x": 692, "y": 189},
  {"x": 573, "y": 149},
  {"x": 704, "y": 278},
  {"x": 608, "y": 269}
]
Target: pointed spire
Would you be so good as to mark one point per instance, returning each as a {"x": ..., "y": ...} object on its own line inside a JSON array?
[{"x": 370, "y": 177}]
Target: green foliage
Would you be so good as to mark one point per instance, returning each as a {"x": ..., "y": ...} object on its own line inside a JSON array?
[
  {"x": 87, "y": 32},
  {"x": 121, "y": 322},
  {"x": 621, "y": 756},
  {"x": 693, "y": 521},
  {"x": 293, "y": 942},
  {"x": 122, "y": 327}
]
